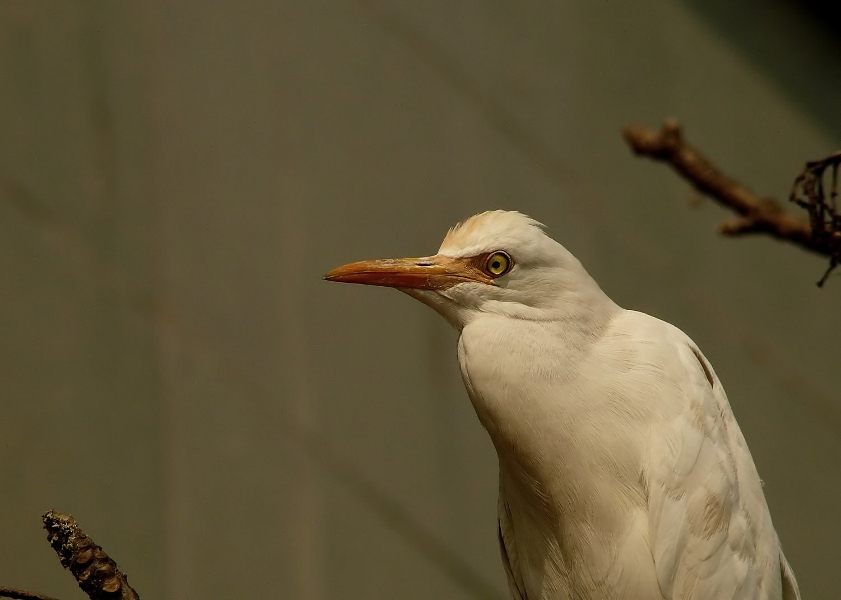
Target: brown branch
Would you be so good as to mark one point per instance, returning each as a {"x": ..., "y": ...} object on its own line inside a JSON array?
[
  {"x": 7, "y": 592},
  {"x": 96, "y": 573},
  {"x": 821, "y": 233}
]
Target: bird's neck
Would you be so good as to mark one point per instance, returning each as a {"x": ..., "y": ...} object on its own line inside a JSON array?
[{"x": 521, "y": 377}]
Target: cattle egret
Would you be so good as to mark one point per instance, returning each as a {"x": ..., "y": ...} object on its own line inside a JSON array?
[{"x": 622, "y": 471}]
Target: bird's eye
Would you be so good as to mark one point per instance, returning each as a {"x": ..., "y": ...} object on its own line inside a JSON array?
[{"x": 498, "y": 264}]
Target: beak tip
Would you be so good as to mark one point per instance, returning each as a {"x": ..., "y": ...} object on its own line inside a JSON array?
[{"x": 337, "y": 275}]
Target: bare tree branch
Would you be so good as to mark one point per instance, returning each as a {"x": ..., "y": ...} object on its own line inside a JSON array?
[
  {"x": 7, "y": 592},
  {"x": 96, "y": 573},
  {"x": 821, "y": 233}
]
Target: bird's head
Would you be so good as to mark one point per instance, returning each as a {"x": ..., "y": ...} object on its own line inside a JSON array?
[{"x": 496, "y": 262}]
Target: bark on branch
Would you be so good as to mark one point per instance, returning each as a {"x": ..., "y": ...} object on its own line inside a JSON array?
[
  {"x": 820, "y": 233},
  {"x": 95, "y": 572}
]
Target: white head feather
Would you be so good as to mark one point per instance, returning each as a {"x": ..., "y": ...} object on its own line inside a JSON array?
[{"x": 546, "y": 282}]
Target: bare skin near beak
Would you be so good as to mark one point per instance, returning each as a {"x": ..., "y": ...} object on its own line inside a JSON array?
[{"x": 429, "y": 273}]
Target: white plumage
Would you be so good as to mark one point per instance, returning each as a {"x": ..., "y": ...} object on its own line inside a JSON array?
[{"x": 622, "y": 471}]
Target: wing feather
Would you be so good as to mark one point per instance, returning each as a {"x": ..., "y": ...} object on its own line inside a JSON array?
[
  {"x": 790, "y": 589},
  {"x": 508, "y": 551}
]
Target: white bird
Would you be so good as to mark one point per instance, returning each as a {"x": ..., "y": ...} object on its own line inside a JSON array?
[{"x": 622, "y": 470}]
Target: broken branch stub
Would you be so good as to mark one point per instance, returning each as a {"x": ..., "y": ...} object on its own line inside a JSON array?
[{"x": 96, "y": 573}]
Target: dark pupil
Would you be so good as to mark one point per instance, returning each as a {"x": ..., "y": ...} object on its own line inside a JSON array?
[{"x": 496, "y": 264}]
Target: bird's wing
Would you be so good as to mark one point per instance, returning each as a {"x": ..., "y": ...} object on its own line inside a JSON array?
[
  {"x": 790, "y": 589},
  {"x": 710, "y": 531},
  {"x": 508, "y": 551}
]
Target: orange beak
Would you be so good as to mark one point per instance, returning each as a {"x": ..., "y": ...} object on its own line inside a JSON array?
[{"x": 429, "y": 273}]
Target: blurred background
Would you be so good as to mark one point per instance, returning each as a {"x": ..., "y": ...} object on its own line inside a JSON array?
[{"x": 176, "y": 177}]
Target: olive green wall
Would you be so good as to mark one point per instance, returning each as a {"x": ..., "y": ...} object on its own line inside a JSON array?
[{"x": 175, "y": 178}]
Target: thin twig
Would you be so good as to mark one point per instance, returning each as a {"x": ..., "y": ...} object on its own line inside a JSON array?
[
  {"x": 821, "y": 233},
  {"x": 7, "y": 592},
  {"x": 96, "y": 573}
]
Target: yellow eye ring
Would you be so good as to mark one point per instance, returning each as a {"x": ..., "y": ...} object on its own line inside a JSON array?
[{"x": 498, "y": 264}]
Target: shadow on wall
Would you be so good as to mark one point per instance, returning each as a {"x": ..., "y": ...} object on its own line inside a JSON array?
[{"x": 780, "y": 38}]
